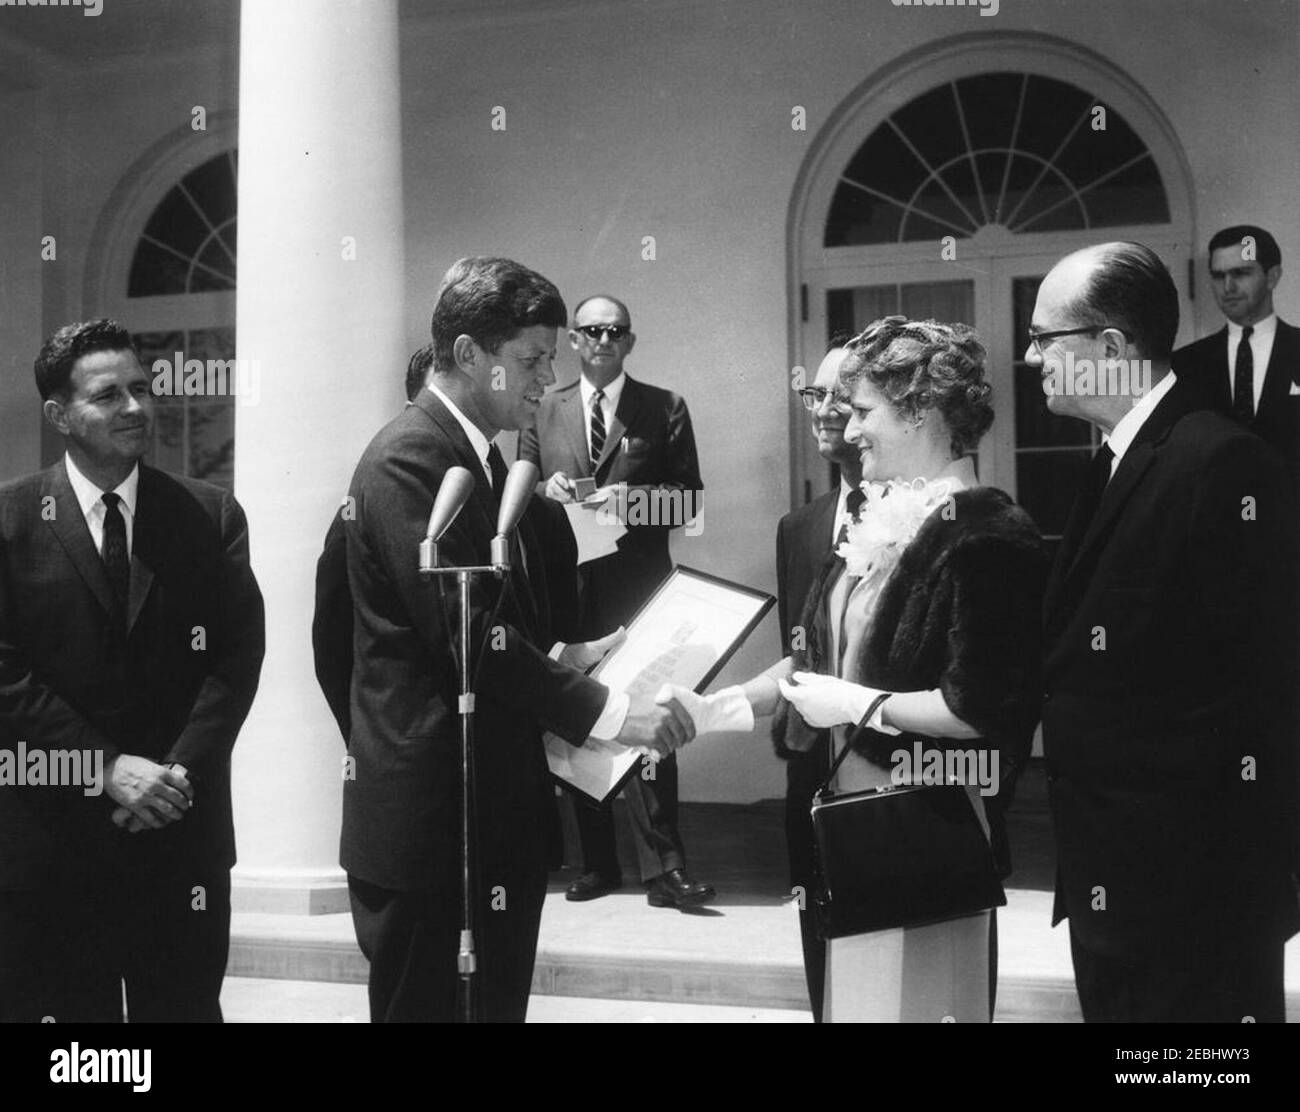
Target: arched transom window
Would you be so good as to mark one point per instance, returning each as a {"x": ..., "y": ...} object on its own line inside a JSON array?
[{"x": 1015, "y": 150}]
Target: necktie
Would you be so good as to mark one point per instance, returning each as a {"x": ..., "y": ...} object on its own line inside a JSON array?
[
  {"x": 853, "y": 503},
  {"x": 116, "y": 559},
  {"x": 1243, "y": 379},
  {"x": 597, "y": 428},
  {"x": 1089, "y": 500},
  {"x": 497, "y": 465}
]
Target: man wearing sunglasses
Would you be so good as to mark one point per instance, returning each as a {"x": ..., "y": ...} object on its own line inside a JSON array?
[{"x": 612, "y": 430}]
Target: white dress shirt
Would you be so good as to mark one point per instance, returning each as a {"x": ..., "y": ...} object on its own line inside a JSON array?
[
  {"x": 608, "y": 404},
  {"x": 611, "y": 719},
  {"x": 1127, "y": 427},
  {"x": 1261, "y": 349},
  {"x": 91, "y": 500}
]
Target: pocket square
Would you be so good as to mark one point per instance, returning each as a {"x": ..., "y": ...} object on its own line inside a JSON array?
[{"x": 1295, "y": 389}]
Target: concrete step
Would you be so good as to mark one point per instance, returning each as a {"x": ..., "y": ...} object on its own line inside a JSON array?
[
  {"x": 742, "y": 953},
  {"x": 257, "y": 1000}
]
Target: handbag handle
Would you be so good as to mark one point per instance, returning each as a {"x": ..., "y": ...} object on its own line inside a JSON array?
[{"x": 871, "y": 710}]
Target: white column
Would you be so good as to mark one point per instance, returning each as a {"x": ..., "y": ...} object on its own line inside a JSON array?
[{"x": 320, "y": 309}]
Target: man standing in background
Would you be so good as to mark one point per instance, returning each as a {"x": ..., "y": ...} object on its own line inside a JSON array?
[
  {"x": 618, "y": 431},
  {"x": 1250, "y": 368},
  {"x": 805, "y": 540}
]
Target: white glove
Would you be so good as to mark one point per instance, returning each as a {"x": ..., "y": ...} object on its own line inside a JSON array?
[
  {"x": 825, "y": 701},
  {"x": 727, "y": 709}
]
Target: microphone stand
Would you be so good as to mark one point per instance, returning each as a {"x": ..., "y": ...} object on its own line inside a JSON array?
[{"x": 466, "y": 962}]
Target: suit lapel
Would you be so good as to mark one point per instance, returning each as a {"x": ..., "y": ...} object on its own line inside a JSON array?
[
  {"x": 148, "y": 541},
  {"x": 573, "y": 419},
  {"x": 1128, "y": 475},
  {"x": 819, "y": 539},
  {"x": 629, "y": 406},
  {"x": 451, "y": 431},
  {"x": 1283, "y": 363},
  {"x": 1219, "y": 381},
  {"x": 69, "y": 526}
]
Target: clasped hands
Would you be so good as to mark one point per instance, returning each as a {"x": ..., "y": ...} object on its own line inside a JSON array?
[{"x": 149, "y": 795}]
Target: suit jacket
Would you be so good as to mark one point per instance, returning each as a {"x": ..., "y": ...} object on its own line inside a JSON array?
[
  {"x": 331, "y": 627},
  {"x": 71, "y": 678},
  {"x": 1203, "y": 365},
  {"x": 649, "y": 443},
  {"x": 401, "y": 825},
  {"x": 803, "y": 546},
  {"x": 1170, "y": 661}
]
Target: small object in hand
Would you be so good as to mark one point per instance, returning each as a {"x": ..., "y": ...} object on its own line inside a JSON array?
[{"x": 583, "y": 488}]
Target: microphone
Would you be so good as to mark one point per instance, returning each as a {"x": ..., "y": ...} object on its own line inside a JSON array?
[
  {"x": 520, "y": 481},
  {"x": 457, "y": 484}
]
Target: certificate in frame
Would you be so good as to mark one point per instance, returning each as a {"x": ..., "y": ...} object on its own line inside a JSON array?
[{"x": 684, "y": 634}]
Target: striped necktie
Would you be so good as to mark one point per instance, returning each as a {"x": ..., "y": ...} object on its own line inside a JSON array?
[{"x": 597, "y": 428}]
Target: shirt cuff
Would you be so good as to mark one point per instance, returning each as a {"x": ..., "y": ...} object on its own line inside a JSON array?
[
  {"x": 556, "y": 649},
  {"x": 610, "y": 723}
]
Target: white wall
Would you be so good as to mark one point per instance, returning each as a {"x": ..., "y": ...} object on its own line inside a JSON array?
[{"x": 666, "y": 118}]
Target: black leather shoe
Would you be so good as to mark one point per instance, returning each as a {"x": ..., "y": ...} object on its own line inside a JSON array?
[
  {"x": 675, "y": 889},
  {"x": 591, "y": 886}
]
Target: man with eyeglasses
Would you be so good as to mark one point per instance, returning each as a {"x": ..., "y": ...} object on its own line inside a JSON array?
[
  {"x": 804, "y": 540},
  {"x": 1250, "y": 368},
  {"x": 617, "y": 432},
  {"x": 1169, "y": 703}
]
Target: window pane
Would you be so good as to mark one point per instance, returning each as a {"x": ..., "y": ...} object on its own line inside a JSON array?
[{"x": 155, "y": 271}]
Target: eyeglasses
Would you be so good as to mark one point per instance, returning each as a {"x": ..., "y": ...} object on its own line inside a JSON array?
[
  {"x": 1038, "y": 339},
  {"x": 813, "y": 397},
  {"x": 596, "y": 331}
]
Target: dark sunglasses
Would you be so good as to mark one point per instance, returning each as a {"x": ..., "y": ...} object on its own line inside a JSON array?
[{"x": 595, "y": 331}]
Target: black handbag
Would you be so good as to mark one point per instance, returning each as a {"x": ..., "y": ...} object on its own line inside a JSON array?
[{"x": 899, "y": 856}]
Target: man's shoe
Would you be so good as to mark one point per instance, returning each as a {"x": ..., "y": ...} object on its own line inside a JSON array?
[
  {"x": 591, "y": 886},
  {"x": 675, "y": 889}
]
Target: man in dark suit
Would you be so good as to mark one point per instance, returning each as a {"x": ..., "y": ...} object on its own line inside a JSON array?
[
  {"x": 1257, "y": 382},
  {"x": 623, "y": 434},
  {"x": 494, "y": 328},
  {"x": 131, "y": 631},
  {"x": 805, "y": 541},
  {"x": 1169, "y": 710},
  {"x": 331, "y": 627}
]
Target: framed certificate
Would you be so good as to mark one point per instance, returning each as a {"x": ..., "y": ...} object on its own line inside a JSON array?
[{"x": 684, "y": 634}]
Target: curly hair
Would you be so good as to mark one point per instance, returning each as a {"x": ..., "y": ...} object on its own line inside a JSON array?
[{"x": 919, "y": 365}]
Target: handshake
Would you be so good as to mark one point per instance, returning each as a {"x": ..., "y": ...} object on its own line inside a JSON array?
[{"x": 676, "y": 715}]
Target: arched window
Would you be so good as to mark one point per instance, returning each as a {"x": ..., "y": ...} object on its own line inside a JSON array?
[
  {"x": 1028, "y": 153},
  {"x": 188, "y": 245},
  {"x": 181, "y": 274},
  {"x": 946, "y": 186}
]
